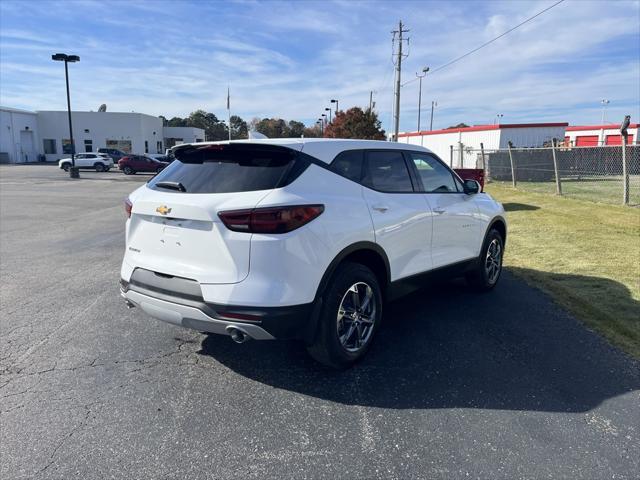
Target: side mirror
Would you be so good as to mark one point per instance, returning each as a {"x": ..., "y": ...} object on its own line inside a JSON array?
[{"x": 471, "y": 187}]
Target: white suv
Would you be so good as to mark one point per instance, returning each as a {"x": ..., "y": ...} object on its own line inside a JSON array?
[
  {"x": 100, "y": 162},
  {"x": 302, "y": 238}
]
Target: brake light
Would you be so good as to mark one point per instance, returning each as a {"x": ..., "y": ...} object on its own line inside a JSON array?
[
  {"x": 127, "y": 207},
  {"x": 270, "y": 219}
]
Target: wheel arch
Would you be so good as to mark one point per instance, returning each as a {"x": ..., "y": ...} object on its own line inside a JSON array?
[
  {"x": 368, "y": 254},
  {"x": 500, "y": 224}
]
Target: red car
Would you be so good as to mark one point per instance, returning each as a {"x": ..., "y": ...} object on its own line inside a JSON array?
[{"x": 132, "y": 164}]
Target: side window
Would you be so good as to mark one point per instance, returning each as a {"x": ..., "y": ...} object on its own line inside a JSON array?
[
  {"x": 436, "y": 178},
  {"x": 387, "y": 172},
  {"x": 348, "y": 164},
  {"x": 81, "y": 155}
]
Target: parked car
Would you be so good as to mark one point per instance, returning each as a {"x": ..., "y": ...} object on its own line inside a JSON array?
[
  {"x": 303, "y": 238},
  {"x": 114, "y": 153},
  {"x": 132, "y": 164},
  {"x": 96, "y": 161}
]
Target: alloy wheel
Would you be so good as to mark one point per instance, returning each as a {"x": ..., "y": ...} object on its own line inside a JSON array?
[
  {"x": 493, "y": 262},
  {"x": 356, "y": 317}
]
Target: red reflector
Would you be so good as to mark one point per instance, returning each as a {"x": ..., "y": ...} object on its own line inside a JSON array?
[
  {"x": 271, "y": 219},
  {"x": 127, "y": 207}
]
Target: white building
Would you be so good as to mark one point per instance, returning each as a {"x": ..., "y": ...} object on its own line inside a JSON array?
[
  {"x": 18, "y": 136},
  {"x": 26, "y": 136},
  {"x": 177, "y": 135},
  {"x": 594, "y": 135},
  {"x": 459, "y": 146}
]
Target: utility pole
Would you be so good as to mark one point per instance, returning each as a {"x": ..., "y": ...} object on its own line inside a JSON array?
[
  {"x": 396, "y": 113},
  {"x": 370, "y": 100}
]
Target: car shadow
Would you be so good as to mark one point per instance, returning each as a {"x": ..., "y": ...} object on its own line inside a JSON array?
[
  {"x": 447, "y": 347},
  {"x": 515, "y": 207}
]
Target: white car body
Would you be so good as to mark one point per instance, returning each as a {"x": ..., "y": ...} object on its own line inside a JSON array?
[
  {"x": 88, "y": 160},
  {"x": 413, "y": 233}
]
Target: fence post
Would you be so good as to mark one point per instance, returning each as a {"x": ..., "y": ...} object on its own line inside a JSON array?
[
  {"x": 513, "y": 170},
  {"x": 451, "y": 156},
  {"x": 482, "y": 155},
  {"x": 460, "y": 157},
  {"x": 555, "y": 167},
  {"x": 625, "y": 172}
]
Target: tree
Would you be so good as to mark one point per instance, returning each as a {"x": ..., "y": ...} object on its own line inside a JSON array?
[
  {"x": 214, "y": 129},
  {"x": 312, "y": 132},
  {"x": 177, "y": 122},
  {"x": 239, "y": 128},
  {"x": 460, "y": 125},
  {"x": 355, "y": 123},
  {"x": 272, "y": 127},
  {"x": 295, "y": 129}
]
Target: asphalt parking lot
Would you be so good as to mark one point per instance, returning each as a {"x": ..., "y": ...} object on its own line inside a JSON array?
[{"x": 457, "y": 385}]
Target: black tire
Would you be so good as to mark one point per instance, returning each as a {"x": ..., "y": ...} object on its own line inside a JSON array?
[
  {"x": 487, "y": 272},
  {"x": 66, "y": 167},
  {"x": 328, "y": 348},
  {"x": 128, "y": 170},
  {"x": 99, "y": 167}
]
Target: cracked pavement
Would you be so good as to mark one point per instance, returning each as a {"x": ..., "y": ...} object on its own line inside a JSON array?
[{"x": 458, "y": 385}]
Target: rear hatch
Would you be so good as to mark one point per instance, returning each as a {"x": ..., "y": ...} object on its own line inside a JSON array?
[{"x": 175, "y": 228}]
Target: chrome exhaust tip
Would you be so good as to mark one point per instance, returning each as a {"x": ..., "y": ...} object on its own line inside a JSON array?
[
  {"x": 237, "y": 335},
  {"x": 129, "y": 304}
]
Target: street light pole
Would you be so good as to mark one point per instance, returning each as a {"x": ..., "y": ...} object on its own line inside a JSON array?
[
  {"x": 604, "y": 103},
  {"x": 336, "y": 102},
  {"x": 328, "y": 110},
  {"x": 424, "y": 72},
  {"x": 62, "y": 57},
  {"x": 433, "y": 104}
]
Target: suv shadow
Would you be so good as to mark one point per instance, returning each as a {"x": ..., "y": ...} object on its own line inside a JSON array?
[{"x": 447, "y": 347}]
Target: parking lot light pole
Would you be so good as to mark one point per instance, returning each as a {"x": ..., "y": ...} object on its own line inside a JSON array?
[
  {"x": 328, "y": 109},
  {"x": 63, "y": 57},
  {"x": 333, "y": 100},
  {"x": 424, "y": 72}
]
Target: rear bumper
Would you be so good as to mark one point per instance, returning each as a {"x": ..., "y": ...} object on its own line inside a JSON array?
[{"x": 259, "y": 323}]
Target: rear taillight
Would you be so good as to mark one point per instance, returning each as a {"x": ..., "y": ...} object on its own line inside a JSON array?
[
  {"x": 271, "y": 219},
  {"x": 127, "y": 207}
]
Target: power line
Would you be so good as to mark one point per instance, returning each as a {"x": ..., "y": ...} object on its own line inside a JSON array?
[{"x": 490, "y": 41}]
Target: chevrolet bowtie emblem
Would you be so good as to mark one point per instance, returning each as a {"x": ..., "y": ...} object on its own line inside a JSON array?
[{"x": 163, "y": 210}]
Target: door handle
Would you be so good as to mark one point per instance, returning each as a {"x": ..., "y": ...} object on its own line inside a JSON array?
[
  {"x": 439, "y": 211},
  {"x": 380, "y": 208}
]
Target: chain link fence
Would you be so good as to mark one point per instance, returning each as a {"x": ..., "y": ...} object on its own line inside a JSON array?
[{"x": 600, "y": 174}]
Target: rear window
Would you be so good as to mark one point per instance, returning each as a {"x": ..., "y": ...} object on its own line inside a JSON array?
[{"x": 229, "y": 168}]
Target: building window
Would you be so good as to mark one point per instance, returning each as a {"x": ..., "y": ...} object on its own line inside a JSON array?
[
  {"x": 67, "y": 148},
  {"x": 159, "y": 147},
  {"x": 88, "y": 145},
  {"x": 146, "y": 146},
  {"x": 49, "y": 146}
]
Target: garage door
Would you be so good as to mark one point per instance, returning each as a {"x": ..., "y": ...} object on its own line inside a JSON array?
[
  {"x": 587, "y": 141},
  {"x": 617, "y": 140}
]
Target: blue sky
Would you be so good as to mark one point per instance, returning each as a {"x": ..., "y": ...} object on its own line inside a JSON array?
[{"x": 288, "y": 59}]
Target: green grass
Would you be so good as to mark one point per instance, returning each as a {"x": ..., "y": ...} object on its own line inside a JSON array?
[
  {"x": 586, "y": 256},
  {"x": 603, "y": 190}
]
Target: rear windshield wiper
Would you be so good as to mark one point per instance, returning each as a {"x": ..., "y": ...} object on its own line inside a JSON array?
[{"x": 172, "y": 186}]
